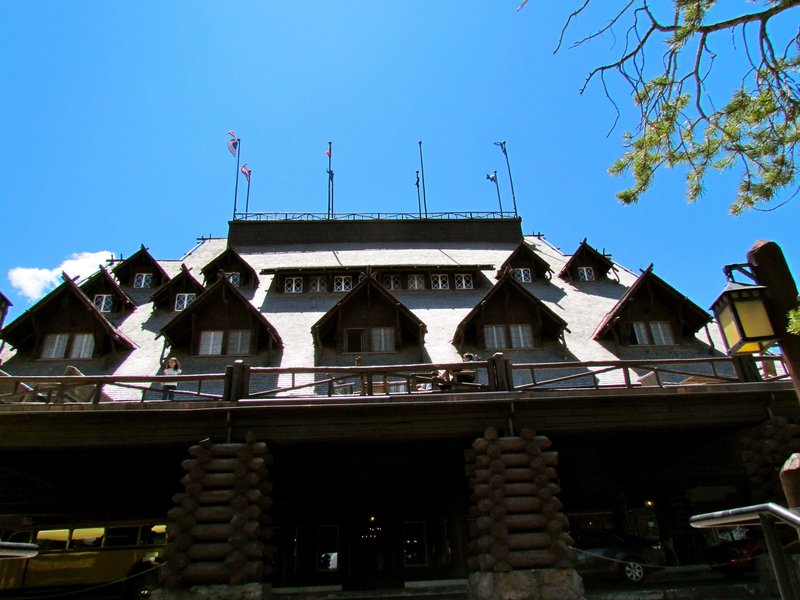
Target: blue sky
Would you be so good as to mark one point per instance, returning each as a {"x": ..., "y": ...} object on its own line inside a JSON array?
[{"x": 115, "y": 117}]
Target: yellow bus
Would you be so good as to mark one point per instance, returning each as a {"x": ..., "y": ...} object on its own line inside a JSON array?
[{"x": 88, "y": 555}]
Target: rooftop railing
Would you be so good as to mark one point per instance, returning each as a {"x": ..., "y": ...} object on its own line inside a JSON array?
[
  {"x": 243, "y": 382},
  {"x": 358, "y": 216}
]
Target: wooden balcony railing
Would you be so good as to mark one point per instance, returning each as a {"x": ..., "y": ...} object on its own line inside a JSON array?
[{"x": 242, "y": 382}]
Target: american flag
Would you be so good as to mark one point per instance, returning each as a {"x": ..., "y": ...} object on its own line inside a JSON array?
[
  {"x": 246, "y": 172},
  {"x": 233, "y": 143}
]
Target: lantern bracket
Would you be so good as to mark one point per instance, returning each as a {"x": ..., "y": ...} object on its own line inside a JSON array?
[{"x": 745, "y": 269}]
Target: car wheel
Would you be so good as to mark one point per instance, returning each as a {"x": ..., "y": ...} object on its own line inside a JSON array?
[{"x": 633, "y": 571}]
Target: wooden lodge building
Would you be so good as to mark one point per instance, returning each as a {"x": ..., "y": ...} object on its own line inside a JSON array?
[{"x": 323, "y": 338}]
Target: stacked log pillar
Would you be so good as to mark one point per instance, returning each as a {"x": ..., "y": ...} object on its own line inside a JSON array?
[
  {"x": 516, "y": 519},
  {"x": 219, "y": 530},
  {"x": 764, "y": 450}
]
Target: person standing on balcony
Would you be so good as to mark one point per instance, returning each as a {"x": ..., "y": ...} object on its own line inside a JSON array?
[{"x": 168, "y": 387}]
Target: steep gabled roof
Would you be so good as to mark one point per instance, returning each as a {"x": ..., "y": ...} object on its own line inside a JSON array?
[
  {"x": 689, "y": 314},
  {"x": 123, "y": 269},
  {"x": 182, "y": 281},
  {"x": 220, "y": 291},
  {"x": 21, "y": 333},
  {"x": 227, "y": 257},
  {"x": 524, "y": 253},
  {"x": 586, "y": 253},
  {"x": 371, "y": 288},
  {"x": 550, "y": 321},
  {"x": 103, "y": 281}
]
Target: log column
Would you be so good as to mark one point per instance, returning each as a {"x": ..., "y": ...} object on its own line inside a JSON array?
[{"x": 219, "y": 530}]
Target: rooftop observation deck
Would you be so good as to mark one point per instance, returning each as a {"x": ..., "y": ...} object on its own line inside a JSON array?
[{"x": 249, "y": 228}]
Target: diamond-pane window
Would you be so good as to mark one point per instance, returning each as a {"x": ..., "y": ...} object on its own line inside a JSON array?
[
  {"x": 143, "y": 280},
  {"x": 234, "y": 278},
  {"x": 391, "y": 282},
  {"x": 342, "y": 283},
  {"x": 439, "y": 281},
  {"x": 416, "y": 281},
  {"x": 585, "y": 274},
  {"x": 104, "y": 302},
  {"x": 523, "y": 275},
  {"x": 293, "y": 285},
  {"x": 319, "y": 283},
  {"x": 463, "y": 281},
  {"x": 182, "y": 301}
]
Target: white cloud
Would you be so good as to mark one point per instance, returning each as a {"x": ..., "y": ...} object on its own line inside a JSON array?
[{"x": 33, "y": 283}]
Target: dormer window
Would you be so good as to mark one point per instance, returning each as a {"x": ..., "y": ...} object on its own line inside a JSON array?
[
  {"x": 439, "y": 281},
  {"x": 586, "y": 274},
  {"x": 319, "y": 283},
  {"x": 463, "y": 281},
  {"x": 235, "y": 278},
  {"x": 143, "y": 280},
  {"x": 496, "y": 336},
  {"x": 182, "y": 301},
  {"x": 293, "y": 285},
  {"x": 219, "y": 342},
  {"x": 391, "y": 282},
  {"x": 523, "y": 275},
  {"x": 416, "y": 281},
  {"x": 653, "y": 333},
  {"x": 342, "y": 283},
  {"x": 104, "y": 302},
  {"x": 68, "y": 345},
  {"x": 373, "y": 339}
]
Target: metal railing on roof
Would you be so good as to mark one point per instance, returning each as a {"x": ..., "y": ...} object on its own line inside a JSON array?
[{"x": 376, "y": 216}]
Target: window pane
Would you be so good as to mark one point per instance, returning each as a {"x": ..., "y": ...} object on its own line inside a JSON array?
[
  {"x": 143, "y": 280},
  {"x": 641, "y": 332},
  {"x": 354, "y": 340},
  {"x": 495, "y": 336},
  {"x": 210, "y": 343},
  {"x": 182, "y": 301},
  {"x": 89, "y": 537},
  {"x": 234, "y": 278},
  {"x": 416, "y": 282},
  {"x": 521, "y": 336},
  {"x": 55, "y": 345},
  {"x": 391, "y": 282},
  {"x": 328, "y": 548},
  {"x": 121, "y": 536},
  {"x": 522, "y": 275},
  {"x": 662, "y": 333},
  {"x": 463, "y": 281},
  {"x": 103, "y": 302},
  {"x": 585, "y": 274},
  {"x": 82, "y": 346},
  {"x": 439, "y": 282},
  {"x": 293, "y": 285},
  {"x": 319, "y": 284},
  {"x": 382, "y": 339},
  {"x": 239, "y": 341}
]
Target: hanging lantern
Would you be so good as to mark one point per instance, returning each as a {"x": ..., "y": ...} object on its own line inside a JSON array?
[{"x": 743, "y": 318}]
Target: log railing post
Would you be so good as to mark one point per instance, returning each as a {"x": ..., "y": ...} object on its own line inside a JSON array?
[{"x": 237, "y": 382}]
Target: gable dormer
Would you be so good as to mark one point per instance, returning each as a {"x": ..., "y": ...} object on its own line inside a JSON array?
[
  {"x": 233, "y": 267},
  {"x": 178, "y": 293},
  {"x": 368, "y": 319},
  {"x": 5, "y": 303},
  {"x": 221, "y": 322},
  {"x": 65, "y": 324},
  {"x": 105, "y": 293},
  {"x": 140, "y": 271},
  {"x": 587, "y": 264},
  {"x": 525, "y": 266},
  {"x": 509, "y": 317},
  {"x": 652, "y": 313}
]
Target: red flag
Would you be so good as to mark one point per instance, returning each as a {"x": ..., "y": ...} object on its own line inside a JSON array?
[
  {"x": 246, "y": 172},
  {"x": 233, "y": 143},
  {"x": 328, "y": 152}
]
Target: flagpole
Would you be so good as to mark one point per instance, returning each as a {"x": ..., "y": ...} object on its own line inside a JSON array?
[
  {"x": 330, "y": 178},
  {"x": 247, "y": 202},
  {"x": 511, "y": 181},
  {"x": 422, "y": 168},
  {"x": 493, "y": 179},
  {"x": 419, "y": 202},
  {"x": 236, "y": 186}
]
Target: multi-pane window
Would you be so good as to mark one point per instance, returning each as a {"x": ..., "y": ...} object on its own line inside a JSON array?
[
  {"x": 382, "y": 339},
  {"x": 235, "y": 278},
  {"x": 104, "y": 302},
  {"x": 293, "y": 285},
  {"x": 523, "y": 275},
  {"x": 318, "y": 283},
  {"x": 653, "y": 333},
  {"x": 391, "y": 282},
  {"x": 217, "y": 342},
  {"x": 342, "y": 283},
  {"x": 494, "y": 336},
  {"x": 65, "y": 345},
  {"x": 585, "y": 274},
  {"x": 182, "y": 301},
  {"x": 354, "y": 340},
  {"x": 463, "y": 281},
  {"x": 416, "y": 281},
  {"x": 439, "y": 281},
  {"x": 143, "y": 280},
  {"x": 521, "y": 335}
]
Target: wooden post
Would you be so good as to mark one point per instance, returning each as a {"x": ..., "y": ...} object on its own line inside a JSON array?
[{"x": 790, "y": 481}]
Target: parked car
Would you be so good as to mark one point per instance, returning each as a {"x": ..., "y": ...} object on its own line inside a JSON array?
[
  {"x": 734, "y": 558},
  {"x": 605, "y": 553}
]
